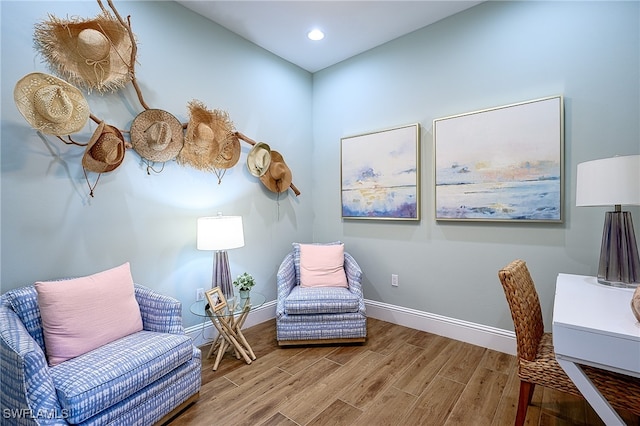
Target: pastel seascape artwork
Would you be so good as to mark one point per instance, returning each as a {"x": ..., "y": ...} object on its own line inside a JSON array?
[
  {"x": 527, "y": 191},
  {"x": 380, "y": 175},
  {"x": 501, "y": 164}
]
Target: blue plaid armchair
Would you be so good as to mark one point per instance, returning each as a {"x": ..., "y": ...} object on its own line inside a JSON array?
[
  {"x": 319, "y": 314},
  {"x": 139, "y": 379}
]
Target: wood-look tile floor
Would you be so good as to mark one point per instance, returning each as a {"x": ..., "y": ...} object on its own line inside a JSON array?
[{"x": 400, "y": 376}]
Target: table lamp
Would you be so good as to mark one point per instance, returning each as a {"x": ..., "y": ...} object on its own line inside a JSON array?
[
  {"x": 220, "y": 233},
  {"x": 613, "y": 181}
]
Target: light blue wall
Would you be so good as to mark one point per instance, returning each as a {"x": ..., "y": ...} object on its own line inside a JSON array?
[
  {"x": 51, "y": 228},
  {"x": 494, "y": 54}
]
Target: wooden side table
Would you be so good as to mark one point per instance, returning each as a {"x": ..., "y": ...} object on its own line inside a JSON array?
[{"x": 228, "y": 322}]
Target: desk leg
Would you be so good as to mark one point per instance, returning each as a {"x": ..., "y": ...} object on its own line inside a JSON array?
[{"x": 601, "y": 406}]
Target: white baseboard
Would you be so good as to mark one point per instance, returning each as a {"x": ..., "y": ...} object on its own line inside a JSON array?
[{"x": 476, "y": 334}]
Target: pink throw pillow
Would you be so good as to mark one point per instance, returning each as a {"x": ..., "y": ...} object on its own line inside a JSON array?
[
  {"x": 82, "y": 314},
  {"x": 322, "y": 265}
]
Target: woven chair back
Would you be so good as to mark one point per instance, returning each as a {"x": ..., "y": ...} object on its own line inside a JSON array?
[{"x": 525, "y": 307}]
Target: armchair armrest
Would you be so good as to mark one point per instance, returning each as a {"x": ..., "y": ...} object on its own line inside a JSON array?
[
  {"x": 285, "y": 280},
  {"x": 354, "y": 279},
  {"x": 28, "y": 394},
  {"x": 159, "y": 312}
]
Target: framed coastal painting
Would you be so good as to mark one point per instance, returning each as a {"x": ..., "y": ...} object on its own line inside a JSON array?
[
  {"x": 380, "y": 174},
  {"x": 501, "y": 164}
]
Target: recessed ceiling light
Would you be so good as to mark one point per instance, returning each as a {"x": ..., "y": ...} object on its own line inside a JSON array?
[{"x": 315, "y": 35}]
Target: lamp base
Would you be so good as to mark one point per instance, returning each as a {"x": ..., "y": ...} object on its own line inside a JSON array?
[
  {"x": 619, "y": 261},
  {"x": 221, "y": 274}
]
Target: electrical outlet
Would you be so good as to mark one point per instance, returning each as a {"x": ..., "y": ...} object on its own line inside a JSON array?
[
  {"x": 199, "y": 294},
  {"x": 394, "y": 280}
]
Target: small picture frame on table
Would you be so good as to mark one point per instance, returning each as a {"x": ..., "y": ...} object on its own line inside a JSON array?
[{"x": 216, "y": 299}]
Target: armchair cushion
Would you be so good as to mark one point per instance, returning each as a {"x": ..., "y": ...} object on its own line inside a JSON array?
[
  {"x": 321, "y": 300},
  {"x": 82, "y": 314},
  {"x": 322, "y": 265},
  {"x": 113, "y": 372}
]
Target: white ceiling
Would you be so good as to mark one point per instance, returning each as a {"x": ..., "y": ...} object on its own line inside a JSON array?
[{"x": 351, "y": 27}]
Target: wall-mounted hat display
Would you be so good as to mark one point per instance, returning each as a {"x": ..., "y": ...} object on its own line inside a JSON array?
[{"x": 100, "y": 54}]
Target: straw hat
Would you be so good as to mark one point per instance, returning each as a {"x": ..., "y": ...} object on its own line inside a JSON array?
[
  {"x": 229, "y": 152},
  {"x": 208, "y": 140},
  {"x": 105, "y": 150},
  {"x": 90, "y": 53},
  {"x": 278, "y": 178},
  {"x": 259, "y": 159},
  {"x": 157, "y": 135},
  {"x": 51, "y": 105}
]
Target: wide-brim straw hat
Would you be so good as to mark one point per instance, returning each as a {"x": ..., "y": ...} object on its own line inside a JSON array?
[
  {"x": 105, "y": 150},
  {"x": 229, "y": 152},
  {"x": 50, "y": 104},
  {"x": 89, "y": 53},
  {"x": 210, "y": 142},
  {"x": 278, "y": 178},
  {"x": 259, "y": 159},
  {"x": 157, "y": 135}
]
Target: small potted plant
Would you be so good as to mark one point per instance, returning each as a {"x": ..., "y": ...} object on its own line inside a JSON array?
[{"x": 244, "y": 282}]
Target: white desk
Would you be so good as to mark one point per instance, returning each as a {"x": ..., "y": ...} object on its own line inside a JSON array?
[{"x": 593, "y": 325}]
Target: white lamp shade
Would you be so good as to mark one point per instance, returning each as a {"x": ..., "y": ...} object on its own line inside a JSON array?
[
  {"x": 609, "y": 182},
  {"x": 220, "y": 233}
]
